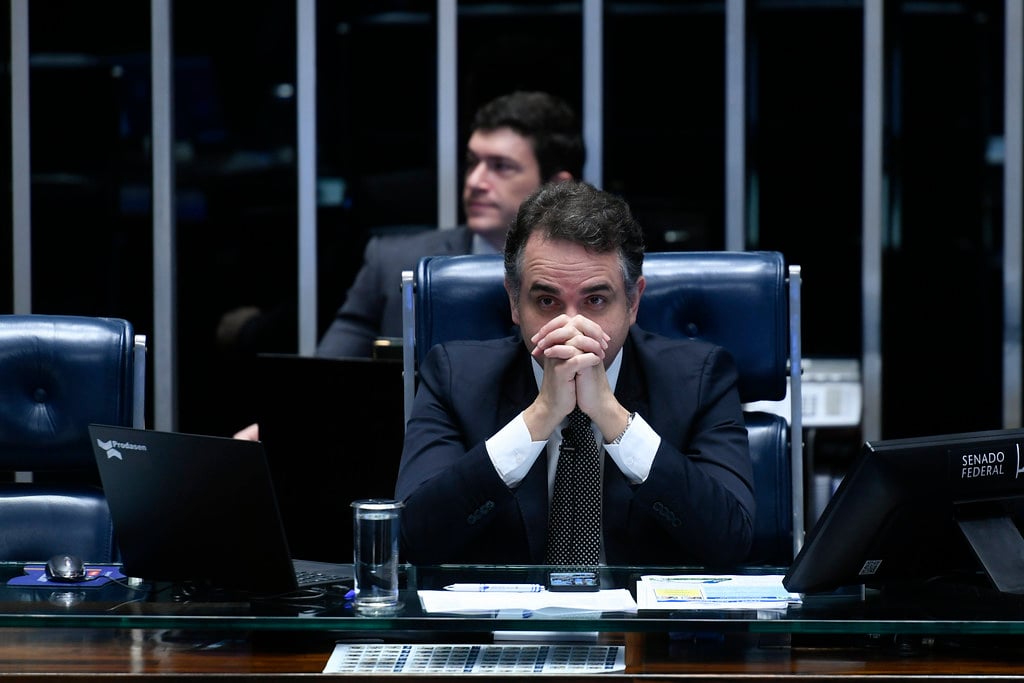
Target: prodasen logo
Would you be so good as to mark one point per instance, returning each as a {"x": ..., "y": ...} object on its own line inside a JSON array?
[
  {"x": 111, "y": 447},
  {"x": 108, "y": 446}
]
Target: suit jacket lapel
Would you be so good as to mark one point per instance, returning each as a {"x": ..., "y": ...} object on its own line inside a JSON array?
[
  {"x": 631, "y": 388},
  {"x": 519, "y": 392}
]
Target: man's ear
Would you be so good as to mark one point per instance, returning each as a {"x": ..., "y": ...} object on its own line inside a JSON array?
[
  {"x": 560, "y": 176},
  {"x": 641, "y": 285},
  {"x": 512, "y": 304}
]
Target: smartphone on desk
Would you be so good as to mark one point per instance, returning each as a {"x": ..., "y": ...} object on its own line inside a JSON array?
[{"x": 574, "y": 581}]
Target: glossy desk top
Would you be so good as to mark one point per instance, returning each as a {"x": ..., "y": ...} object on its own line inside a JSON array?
[{"x": 962, "y": 610}]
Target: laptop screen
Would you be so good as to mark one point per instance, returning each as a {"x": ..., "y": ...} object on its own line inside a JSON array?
[{"x": 193, "y": 509}]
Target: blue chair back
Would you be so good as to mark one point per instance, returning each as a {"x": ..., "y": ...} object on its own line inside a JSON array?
[
  {"x": 42, "y": 520},
  {"x": 58, "y": 374},
  {"x": 742, "y": 301}
]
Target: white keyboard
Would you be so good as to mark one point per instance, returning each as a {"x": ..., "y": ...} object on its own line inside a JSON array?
[{"x": 363, "y": 658}]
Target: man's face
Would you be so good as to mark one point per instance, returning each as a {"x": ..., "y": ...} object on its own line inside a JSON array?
[
  {"x": 501, "y": 171},
  {"x": 563, "y": 277}
]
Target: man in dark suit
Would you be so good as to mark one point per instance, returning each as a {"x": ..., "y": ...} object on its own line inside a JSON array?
[
  {"x": 481, "y": 446},
  {"x": 518, "y": 141}
]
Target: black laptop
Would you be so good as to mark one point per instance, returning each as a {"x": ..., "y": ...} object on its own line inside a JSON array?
[
  {"x": 333, "y": 431},
  {"x": 200, "y": 511}
]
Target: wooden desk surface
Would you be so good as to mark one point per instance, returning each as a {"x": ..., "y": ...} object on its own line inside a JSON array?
[{"x": 51, "y": 654}]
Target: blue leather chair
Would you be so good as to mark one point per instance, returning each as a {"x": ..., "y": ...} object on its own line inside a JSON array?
[
  {"x": 58, "y": 374},
  {"x": 747, "y": 302}
]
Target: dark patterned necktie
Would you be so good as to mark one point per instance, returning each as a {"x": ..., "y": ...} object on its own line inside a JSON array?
[{"x": 574, "y": 524}]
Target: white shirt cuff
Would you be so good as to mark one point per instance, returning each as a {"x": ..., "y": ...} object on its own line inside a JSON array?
[
  {"x": 512, "y": 452},
  {"x": 634, "y": 454}
]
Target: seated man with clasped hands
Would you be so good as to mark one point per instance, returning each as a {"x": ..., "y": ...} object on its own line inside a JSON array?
[{"x": 671, "y": 479}]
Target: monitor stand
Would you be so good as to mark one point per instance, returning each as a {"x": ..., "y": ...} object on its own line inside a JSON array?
[{"x": 1000, "y": 547}]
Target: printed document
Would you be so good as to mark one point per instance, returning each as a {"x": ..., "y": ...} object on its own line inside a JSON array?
[{"x": 720, "y": 591}]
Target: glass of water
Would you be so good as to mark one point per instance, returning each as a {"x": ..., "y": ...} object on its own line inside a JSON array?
[{"x": 376, "y": 523}]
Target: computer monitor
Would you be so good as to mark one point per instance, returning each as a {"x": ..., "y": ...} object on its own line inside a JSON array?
[{"x": 908, "y": 511}]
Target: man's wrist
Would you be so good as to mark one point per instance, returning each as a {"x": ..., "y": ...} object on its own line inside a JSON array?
[{"x": 618, "y": 439}]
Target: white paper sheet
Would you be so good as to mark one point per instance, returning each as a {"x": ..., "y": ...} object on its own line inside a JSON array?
[{"x": 544, "y": 603}]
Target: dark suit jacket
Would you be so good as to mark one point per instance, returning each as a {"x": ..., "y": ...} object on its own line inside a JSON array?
[
  {"x": 373, "y": 304},
  {"x": 697, "y": 505}
]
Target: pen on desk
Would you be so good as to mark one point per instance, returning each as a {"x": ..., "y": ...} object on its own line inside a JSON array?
[{"x": 495, "y": 587}]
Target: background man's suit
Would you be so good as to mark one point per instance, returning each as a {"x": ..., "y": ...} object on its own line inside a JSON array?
[{"x": 373, "y": 305}]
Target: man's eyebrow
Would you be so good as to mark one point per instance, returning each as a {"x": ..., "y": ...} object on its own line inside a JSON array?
[
  {"x": 494, "y": 158},
  {"x": 541, "y": 287},
  {"x": 601, "y": 287}
]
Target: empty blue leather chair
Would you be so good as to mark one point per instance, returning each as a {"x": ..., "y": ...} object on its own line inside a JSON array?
[
  {"x": 58, "y": 374},
  {"x": 747, "y": 302}
]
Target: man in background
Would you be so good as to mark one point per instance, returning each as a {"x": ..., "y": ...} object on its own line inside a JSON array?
[{"x": 517, "y": 142}]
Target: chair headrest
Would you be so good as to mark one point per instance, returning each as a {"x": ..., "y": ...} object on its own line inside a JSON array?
[
  {"x": 738, "y": 300},
  {"x": 58, "y": 374}
]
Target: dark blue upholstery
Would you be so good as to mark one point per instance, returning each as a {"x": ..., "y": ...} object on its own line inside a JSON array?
[
  {"x": 773, "y": 489},
  {"x": 58, "y": 374},
  {"x": 738, "y": 300},
  {"x": 734, "y": 299},
  {"x": 41, "y": 520}
]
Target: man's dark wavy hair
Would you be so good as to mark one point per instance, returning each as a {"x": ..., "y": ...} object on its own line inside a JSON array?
[
  {"x": 546, "y": 120},
  {"x": 578, "y": 212}
]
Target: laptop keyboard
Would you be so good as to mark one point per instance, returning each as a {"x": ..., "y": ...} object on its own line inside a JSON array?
[{"x": 309, "y": 573}]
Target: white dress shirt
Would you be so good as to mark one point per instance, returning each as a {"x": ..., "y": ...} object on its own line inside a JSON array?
[{"x": 513, "y": 453}]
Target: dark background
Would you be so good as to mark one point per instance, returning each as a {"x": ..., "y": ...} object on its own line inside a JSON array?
[{"x": 664, "y": 116}]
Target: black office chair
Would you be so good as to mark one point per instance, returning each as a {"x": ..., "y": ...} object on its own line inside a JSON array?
[
  {"x": 58, "y": 374},
  {"x": 748, "y": 302}
]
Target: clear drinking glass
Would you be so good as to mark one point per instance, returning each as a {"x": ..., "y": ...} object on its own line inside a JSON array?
[{"x": 376, "y": 523}]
